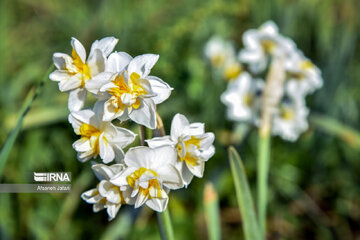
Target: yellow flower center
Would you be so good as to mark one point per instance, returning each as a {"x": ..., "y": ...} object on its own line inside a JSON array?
[
  {"x": 217, "y": 60},
  {"x": 92, "y": 134},
  {"x": 287, "y": 114},
  {"x": 232, "y": 71},
  {"x": 153, "y": 183},
  {"x": 189, "y": 158},
  {"x": 306, "y": 65},
  {"x": 134, "y": 89},
  {"x": 268, "y": 46},
  {"x": 248, "y": 99},
  {"x": 82, "y": 67}
]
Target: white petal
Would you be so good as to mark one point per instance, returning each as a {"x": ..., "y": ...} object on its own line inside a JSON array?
[
  {"x": 145, "y": 114},
  {"x": 76, "y": 123},
  {"x": 142, "y": 64},
  {"x": 117, "y": 62},
  {"x": 160, "y": 88},
  {"x": 162, "y": 156},
  {"x": 59, "y": 75},
  {"x": 106, "y": 151},
  {"x": 198, "y": 169},
  {"x": 84, "y": 116},
  {"x": 140, "y": 200},
  {"x": 77, "y": 99},
  {"x": 207, "y": 140},
  {"x": 96, "y": 62},
  {"x": 119, "y": 153},
  {"x": 208, "y": 153},
  {"x": 105, "y": 45},
  {"x": 61, "y": 59},
  {"x": 158, "y": 205},
  {"x": 98, "y": 81},
  {"x": 71, "y": 83},
  {"x": 178, "y": 124},
  {"x": 91, "y": 196},
  {"x": 194, "y": 129},
  {"x": 110, "y": 113},
  {"x": 186, "y": 175},
  {"x": 103, "y": 171},
  {"x": 98, "y": 207},
  {"x": 120, "y": 179},
  {"x": 112, "y": 210},
  {"x": 82, "y": 145},
  {"x": 79, "y": 49},
  {"x": 170, "y": 176},
  {"x": 139, "y": 157},
  {"x": 160, "y": 141},
  {"x": 120, "y": 136}
]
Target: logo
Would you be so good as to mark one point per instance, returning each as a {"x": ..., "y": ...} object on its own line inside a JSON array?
[{"x": 52, "y": 176}]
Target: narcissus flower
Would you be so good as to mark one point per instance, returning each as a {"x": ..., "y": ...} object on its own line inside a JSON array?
[
  {"x": 130, "y": 92},
  {"x": 219, "y": 51},
  {"x": 193, "y": 146},
  {"x": 75, "y": 70},
  {"x": 262, "y": 44},
  {"x": 290, "y": 119},
  {"x": 98, "y": 137},
  {"x": 106, "y": 195},
  {"x": 303, "y": 76},
  {"x": 243, "y": 99},
  {"x": 149, "y": 173}
]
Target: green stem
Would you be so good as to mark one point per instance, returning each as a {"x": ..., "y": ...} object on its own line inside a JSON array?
[
  {"x": 166, "y": 228},
  {"x": 262, "y": 177}
]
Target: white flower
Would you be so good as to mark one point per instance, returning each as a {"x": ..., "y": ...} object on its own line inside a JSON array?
[
  {"x": 74, "y": 71},
  {"x": 303, "y": 76},
  {"x": 106, "y": 195},
  {"x": 218, "y": 51},
  {"x": 243, "y": 98},
  {"x": 194, "y": 146},
  {"x": 262, "y": 44},
  {"x": 290, "y": 119},
  {"x": 148, "y": 172},
  {"x": 98, "y": 137},
  {"x": 128, "y": 90}
]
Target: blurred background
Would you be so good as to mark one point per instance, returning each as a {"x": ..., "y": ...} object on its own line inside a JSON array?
[{"x": 314, "y": 182}]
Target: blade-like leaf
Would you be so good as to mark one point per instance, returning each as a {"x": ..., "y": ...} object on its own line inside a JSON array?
[
  {"x": 331, "y": 126},
  {"x": 212, "y": 213},
  {"x": 5, "y": 151},
  {"x": 246, "y": 205}
]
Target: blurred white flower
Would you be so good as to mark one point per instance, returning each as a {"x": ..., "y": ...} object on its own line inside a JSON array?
[
  {"x": 194, "y": 147},
  {"x": 106, "y": 195},
  {"x": 74, "y": 71},
  {"x": 290, "y": 119},
  {"x": 221, "y": 54},
  {"x": 128, "y": 91},
  {"x": 303, "y": 76},
  {"x": 263, "y": 43},
  {"x": 148, "y": 172},
  {"x": 243, "y": 98},
  {"x": 98, "y": 137}
]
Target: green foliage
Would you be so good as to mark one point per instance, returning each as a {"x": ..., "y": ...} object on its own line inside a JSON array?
[
  {"x": 245, "y": 201},
  {"x": 314, "y": 183}
]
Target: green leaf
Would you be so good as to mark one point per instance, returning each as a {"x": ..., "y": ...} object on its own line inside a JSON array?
[
  {"x": 212, "y": 213},
  {"x": 246, "y": 205},
  {"x": 5, "y": 151},
  {"x": 331, "y": 126}
]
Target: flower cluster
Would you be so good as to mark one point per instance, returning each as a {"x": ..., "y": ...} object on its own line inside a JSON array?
[
  {"x": 125, "y": 90},
  {"x": 244, "y": 94}
]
